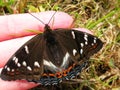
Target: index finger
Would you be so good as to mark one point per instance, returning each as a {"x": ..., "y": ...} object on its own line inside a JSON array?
[{"x": 13, "y": 26}]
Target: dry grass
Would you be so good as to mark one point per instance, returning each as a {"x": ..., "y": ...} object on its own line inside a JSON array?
[{"x": 101, "y": 17}]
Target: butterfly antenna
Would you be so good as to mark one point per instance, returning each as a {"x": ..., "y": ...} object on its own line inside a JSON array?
[
  {"x": 52, "y": 17},
  {"x": 37, "y": 18}
]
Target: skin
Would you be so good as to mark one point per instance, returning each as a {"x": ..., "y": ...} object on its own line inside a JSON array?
[{"x": 14, "y": 33}]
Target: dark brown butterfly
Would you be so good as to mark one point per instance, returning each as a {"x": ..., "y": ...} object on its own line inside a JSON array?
[{"x": 52, "y": 56}]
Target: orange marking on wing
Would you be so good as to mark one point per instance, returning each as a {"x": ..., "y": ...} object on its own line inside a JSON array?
[
  {"x": 93, "y": 47},
  {"x": 69, "y": 68},
  {"x": 65, "y": 72},
  {"x": 52, "y": 75},
  {"x": 74, "y": 65},
  {"x": 58, "y": 75},
  {"x": 44, "y": 74}
]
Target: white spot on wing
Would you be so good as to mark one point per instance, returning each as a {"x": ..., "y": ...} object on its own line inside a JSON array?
[
  {"x": 92, "y": 44},
  {"x": 86, "y": 42},
  {"x": 12, "y": 70},
  {"x": 8, "y": 69},
  {"x": 5, "y": 66},
  {"x": 16, "y": 60},
  {"x": 82, "y": 45},
  {"x": 65, "y": 59},
  {"x": 29, "y": 68},
  {"x": 26, "y": 49},
  {"x": 74, "y": 51},
  {"x": 73, "y": 34},
  {"x": 36, "y": 64},
  {"x": 81, "y": 51},
  {"x": 94, "y": 39},
  {"x": 18, "y": 64},
  {"x": 49, "y": 64},
  {"x": 46, "y": 63},
  {"x": 86, "y": 37},
  {"x": 24, "y": 63}
]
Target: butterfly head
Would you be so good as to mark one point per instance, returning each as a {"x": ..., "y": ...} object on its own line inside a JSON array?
[{"x": 47, "y": 28}]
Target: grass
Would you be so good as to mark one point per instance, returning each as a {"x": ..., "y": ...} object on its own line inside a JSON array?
[{"x": 101, "y": 17}]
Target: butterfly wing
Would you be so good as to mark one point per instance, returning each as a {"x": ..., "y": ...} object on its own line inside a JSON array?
[
  {"x": 79, "y": 45},
  {"x": 25, "y": 64},
  {"x": 50, "y": 57},
  {"x": 63, "y": 53}
]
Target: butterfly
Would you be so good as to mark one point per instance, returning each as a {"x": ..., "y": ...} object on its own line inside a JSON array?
[{"x": 52, "y": 56}]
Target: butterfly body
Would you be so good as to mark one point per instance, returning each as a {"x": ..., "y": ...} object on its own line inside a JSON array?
[{"x": 51, "y": 57}]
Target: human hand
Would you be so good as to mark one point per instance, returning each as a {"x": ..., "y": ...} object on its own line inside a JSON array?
[{"x": 15, "y": 26}]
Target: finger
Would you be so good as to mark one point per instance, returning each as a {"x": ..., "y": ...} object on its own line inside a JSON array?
[
  {"x": 17, "y": 25},
  {"x": 16, "y": 85},
  {"x": 83, "y": 30}
]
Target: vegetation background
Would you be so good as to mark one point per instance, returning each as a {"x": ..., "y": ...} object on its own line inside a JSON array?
[{"x": 102, "y": 17}]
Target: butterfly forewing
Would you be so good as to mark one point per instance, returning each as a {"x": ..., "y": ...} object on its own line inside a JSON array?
[
  {"x": 79, "y": 45},
  {"x": 26, "y": 63}
]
